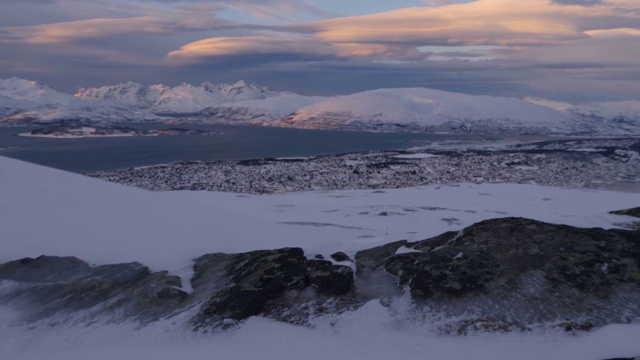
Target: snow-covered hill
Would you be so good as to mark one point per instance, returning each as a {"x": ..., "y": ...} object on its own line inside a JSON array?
[{"x": 419, "y": 109}]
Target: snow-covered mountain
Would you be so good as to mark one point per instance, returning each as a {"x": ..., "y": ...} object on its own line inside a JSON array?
[
  {"x": 182, "y": 99},
  {"x": 18, "y": 95},
  {"x": 409, "y": 110},
  {"x": 419, "y": 109},
  {"x": 26, "y": 101}
]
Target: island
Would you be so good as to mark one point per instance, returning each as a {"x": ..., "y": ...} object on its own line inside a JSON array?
[{"x": 85, "y": 131}]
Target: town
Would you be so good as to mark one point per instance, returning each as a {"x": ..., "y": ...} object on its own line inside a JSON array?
[{"x": 597, "y": 164}]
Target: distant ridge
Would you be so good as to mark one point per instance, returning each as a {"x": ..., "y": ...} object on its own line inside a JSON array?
[{"x": 407, "y": 110}]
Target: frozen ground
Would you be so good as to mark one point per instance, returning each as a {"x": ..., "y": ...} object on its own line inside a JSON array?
[
  {"x": 46, "y": 211},
  {"x": 370, "y": 333}
]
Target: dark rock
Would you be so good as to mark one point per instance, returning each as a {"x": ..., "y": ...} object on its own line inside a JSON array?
[
  {"x": 255, "y": 278},
  {"x": 497, "y": 275},
  {"x": 476, "y": 325},
  {"x": 340, "y": 256},
  {"x": 319, "y": 257},
  {"x": 576, "y": 326},
  {"x": 330, "y": 279},
  {"x": 504, "y": 268},
  {"x": 635, "y": 212},
  {"x": 370, "y": 259},
  {"x": 63, "y": 284},
  {"x": 263, "y": 282}
]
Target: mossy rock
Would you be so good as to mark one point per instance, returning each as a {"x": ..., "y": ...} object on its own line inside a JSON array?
[{"x": 635, "y": 212}]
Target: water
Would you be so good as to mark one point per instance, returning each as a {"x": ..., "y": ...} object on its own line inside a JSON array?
[{"x": 230, "y": 143}]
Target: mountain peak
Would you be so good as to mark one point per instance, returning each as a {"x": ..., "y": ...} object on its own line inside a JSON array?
[
  {"x": 31, "y": 91},
  {"x": 239, "y": 83}
]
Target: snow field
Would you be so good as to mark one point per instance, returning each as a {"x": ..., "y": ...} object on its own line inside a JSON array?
[{"x": 47, "y": 211}]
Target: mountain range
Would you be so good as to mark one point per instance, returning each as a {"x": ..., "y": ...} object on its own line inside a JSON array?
[{"x": 405, "y": 109}]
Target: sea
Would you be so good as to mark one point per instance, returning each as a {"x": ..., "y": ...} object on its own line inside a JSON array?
[{"x": 228, "y": 142}]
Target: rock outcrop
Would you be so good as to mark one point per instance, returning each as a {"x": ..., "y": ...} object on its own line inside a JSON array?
[
  {"x": 520, "y": 272},
  {"x": 264, "y": 282},
  {"x": 49, "y": 285},
  {"x": 496, "y": 275}
]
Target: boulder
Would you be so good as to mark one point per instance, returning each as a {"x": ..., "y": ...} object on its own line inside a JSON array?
[
  {"x": 340, "y": 256},
  {"x": 521, "y": 272}
]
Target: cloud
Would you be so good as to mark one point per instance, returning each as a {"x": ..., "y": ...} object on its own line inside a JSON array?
[
  {"x": 276, "y": 9},
  {"x": 302, "y": 46},
  {"x": 484, "y": 22},
  {"x": 439, "y": 2},
  {"x": 73, "y": 31},
  {"x": 397, "y": 35},
  {"x": 579, "y": 2},
  {"x": 86, "y": 29},
  {"x": 500, "y": 47}
]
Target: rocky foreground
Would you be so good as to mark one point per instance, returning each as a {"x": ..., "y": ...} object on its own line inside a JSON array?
[{"x": 497, "y": 275}]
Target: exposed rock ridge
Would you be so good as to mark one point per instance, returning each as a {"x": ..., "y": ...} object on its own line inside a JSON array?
[{"x": 500, "y": 274}]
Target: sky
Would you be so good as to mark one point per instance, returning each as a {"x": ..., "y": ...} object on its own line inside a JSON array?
[{"x": 569, "y": 50}]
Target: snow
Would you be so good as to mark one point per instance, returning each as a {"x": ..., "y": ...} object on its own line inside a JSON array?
[
  {"x": 406, "y": 250},
  {"x": 409, "y": 109},
  {"x": 629, "y": 110},
  {"x": 556, "y": 105},
  {"x": 427, "y": 107},
  {"x": 273, "y": 108},
  {"x": 28, "y": 100},
  {"x": 184, "y": 98},
  {"x": 31, "y": 92},
  {"x": 47, "y": 211},
  {"x": 370, "y": 333}
]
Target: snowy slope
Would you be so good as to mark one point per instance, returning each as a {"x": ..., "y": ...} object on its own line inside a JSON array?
[
  {"x": 431, "y": 110},
  {"x": 262, "y": 111},
  {"x": 615, "y": 118},
  {"x": 556, "y": 105},
  {"x": 628, "y": 111},
  {"x": 46, "y": 211}
]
